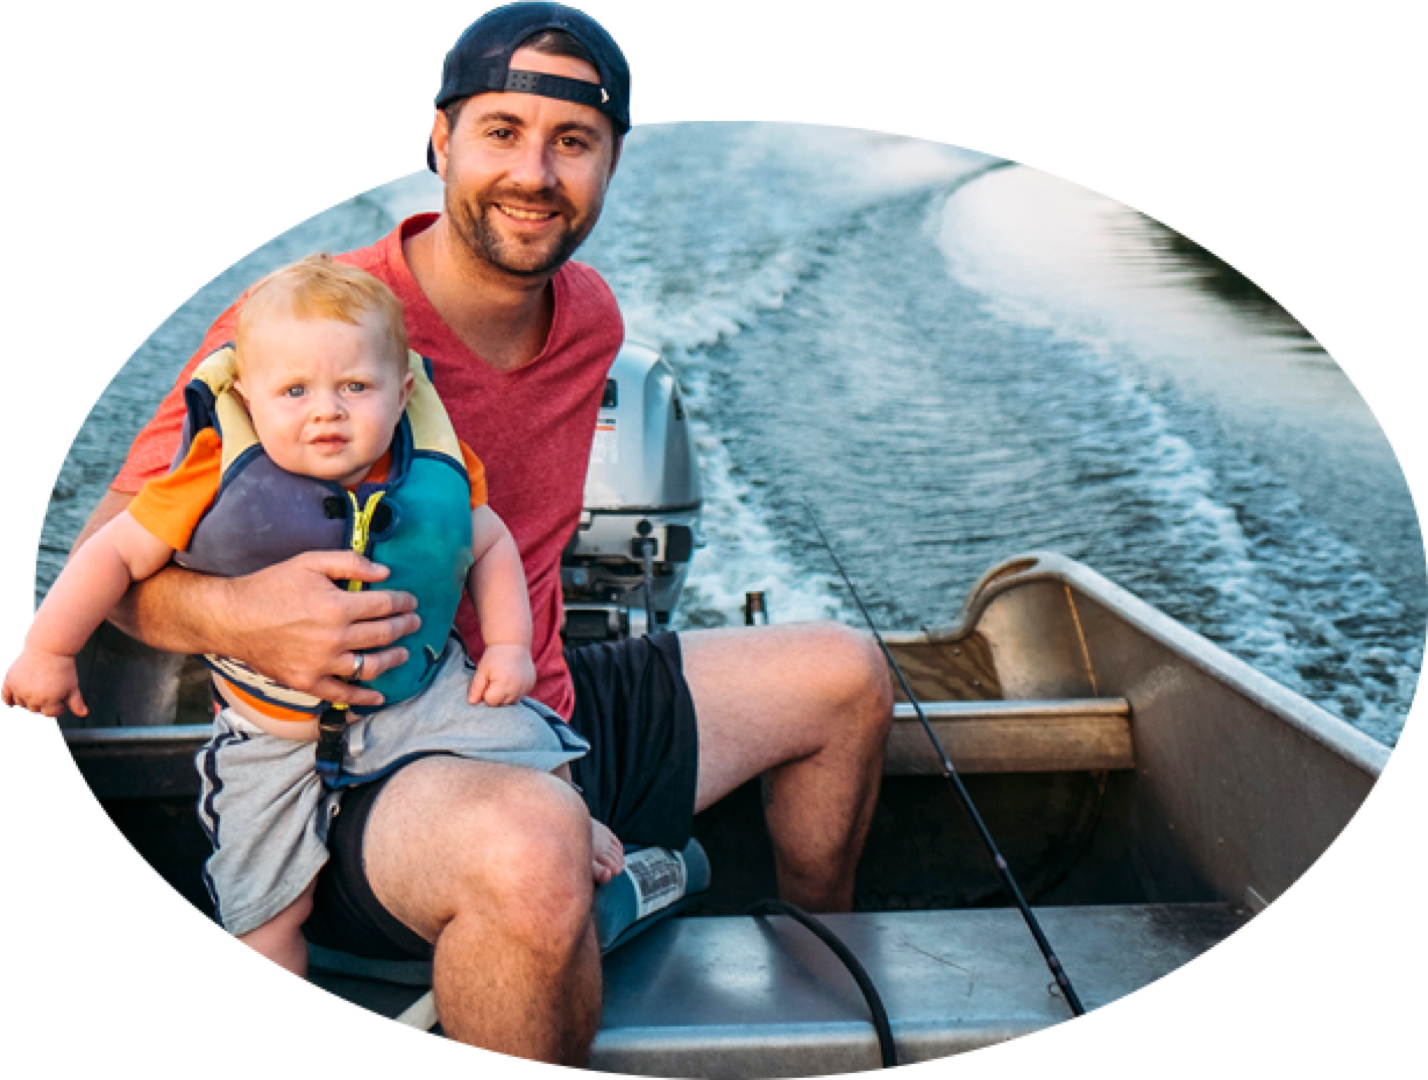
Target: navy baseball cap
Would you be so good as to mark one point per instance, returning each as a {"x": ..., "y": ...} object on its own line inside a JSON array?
[{"x": 480, "y": 62}]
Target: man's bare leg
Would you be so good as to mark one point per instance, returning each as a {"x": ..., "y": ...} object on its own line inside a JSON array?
[
  {"x": 809, "y": 705},
  {"x": 493, "y": 865}
]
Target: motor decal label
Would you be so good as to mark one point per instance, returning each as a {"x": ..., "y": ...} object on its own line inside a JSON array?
[{"x": 606, "y": 448}]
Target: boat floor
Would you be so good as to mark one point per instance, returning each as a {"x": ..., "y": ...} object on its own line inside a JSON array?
[{"x": 737, "y": 997}]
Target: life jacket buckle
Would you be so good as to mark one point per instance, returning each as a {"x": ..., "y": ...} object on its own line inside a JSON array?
[{"x": 331, "y": 745}]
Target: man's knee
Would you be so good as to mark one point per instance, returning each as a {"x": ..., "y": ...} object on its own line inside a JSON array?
[
  {"x": 453, "y": 839},
  {"x": 858, "y": 683},
  {"x": 531, "y": 872}
]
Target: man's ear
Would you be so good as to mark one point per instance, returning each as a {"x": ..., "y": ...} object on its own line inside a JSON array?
[
  {"x": 615, "y": 157},
  {"x": 440, "y": 141}
]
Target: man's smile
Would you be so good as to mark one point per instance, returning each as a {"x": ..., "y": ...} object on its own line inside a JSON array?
[{"x": 526, "y": 215}]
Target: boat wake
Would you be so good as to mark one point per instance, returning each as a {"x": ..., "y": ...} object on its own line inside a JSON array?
[
  {"x": 1247, "y": 562},
  {"x": 954, "y": 360}
]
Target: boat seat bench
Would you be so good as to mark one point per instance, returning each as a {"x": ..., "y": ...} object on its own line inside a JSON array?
[
  {"x": 1071, "y": 735},
  {"x": 1078, "y": 735},
  {"x": 737, "y": 996}
]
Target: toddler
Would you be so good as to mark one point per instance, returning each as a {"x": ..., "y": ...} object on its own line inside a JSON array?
[{"x": 317, "y": 429}]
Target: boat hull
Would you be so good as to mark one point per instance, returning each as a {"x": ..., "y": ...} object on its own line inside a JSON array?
[{"x": 1150, "y": 792}]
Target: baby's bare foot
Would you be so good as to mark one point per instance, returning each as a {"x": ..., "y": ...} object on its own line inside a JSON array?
[{"x": 608, "y": 852}]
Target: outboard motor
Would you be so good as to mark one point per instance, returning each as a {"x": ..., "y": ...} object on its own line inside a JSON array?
[{"x": 622, "y": 572}]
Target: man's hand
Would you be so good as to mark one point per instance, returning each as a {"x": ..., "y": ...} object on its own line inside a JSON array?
[
  {"x": 44, "y": 683},
  {"x": 504, "y": 676},
  {"x": 294, "y": 623},
  {"x": 291, "y": 622}
]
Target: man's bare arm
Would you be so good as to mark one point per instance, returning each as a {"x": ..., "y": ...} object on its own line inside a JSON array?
[{"x": 290, "y": 622}]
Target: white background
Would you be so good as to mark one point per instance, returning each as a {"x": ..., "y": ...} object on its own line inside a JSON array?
[{"x": 149, "y": 146}]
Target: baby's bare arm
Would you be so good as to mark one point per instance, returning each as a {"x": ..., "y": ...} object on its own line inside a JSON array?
[
  {"x": 92, "y": 582},
  {"x": 44, "y": 678},
  {"x": 497, "y": 584}
]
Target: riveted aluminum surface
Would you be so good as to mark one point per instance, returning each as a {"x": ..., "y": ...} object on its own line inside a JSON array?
[
  {"x": 740, "y": 997},
  {"x": 1241, "y": 784}
]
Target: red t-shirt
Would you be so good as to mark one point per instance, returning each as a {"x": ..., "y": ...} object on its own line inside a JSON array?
[{"x": 532, "y": 427}]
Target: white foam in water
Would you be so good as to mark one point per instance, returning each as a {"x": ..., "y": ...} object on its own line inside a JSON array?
[
  {"x": 743, "y": 552},
  {"x": 1028, "y": 257},
  {"x": 870, "y": 162},
  {"x": 1172, "y": 470},
  {"x": 719, "y": 312}
]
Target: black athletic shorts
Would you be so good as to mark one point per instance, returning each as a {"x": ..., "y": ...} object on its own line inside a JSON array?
[{"x": 634, "y": 707}]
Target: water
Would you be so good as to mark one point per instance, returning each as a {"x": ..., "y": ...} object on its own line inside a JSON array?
[{"x": 956, "y": 359}]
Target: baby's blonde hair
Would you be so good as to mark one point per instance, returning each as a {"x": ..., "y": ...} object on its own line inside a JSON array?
[{"x": 319, "y": 287}]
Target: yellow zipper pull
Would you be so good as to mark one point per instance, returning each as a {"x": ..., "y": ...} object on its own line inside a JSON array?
[{"x": 361, "y": 528}]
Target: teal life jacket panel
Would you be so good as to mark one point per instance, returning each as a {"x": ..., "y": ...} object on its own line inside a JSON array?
[{"x": 416, "y": 522}]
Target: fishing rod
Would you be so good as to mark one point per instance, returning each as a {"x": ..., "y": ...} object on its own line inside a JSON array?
[{"x": 1003, "y": 870}]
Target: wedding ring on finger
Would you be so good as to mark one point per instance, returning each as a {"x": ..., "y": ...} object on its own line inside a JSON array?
[{"x": 357, "y": 666}]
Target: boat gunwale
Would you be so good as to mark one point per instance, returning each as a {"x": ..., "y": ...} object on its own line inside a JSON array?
[
  {"x": 1312, "y": 721},
  {"x": 1355, "y": 747}
]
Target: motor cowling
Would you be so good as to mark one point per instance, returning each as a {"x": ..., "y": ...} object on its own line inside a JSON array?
[{"x": 642, "y": 506}]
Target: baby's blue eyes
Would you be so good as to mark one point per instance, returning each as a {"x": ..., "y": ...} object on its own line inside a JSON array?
[{"x": 349, "y": 388}]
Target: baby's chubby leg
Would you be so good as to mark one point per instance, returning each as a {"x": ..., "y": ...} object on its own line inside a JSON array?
[
  {"x": 280, "y": 938},
  {"x": 607, "y": 853}
]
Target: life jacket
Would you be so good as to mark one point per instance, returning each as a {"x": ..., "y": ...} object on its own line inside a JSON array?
[{"x": 416, "y": 522}]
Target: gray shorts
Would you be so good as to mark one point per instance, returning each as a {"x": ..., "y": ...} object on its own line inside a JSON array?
[{"x": 267, "y": 814}]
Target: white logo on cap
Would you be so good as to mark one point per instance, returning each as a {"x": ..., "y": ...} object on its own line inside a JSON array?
[{"x": 604, "y": 97}]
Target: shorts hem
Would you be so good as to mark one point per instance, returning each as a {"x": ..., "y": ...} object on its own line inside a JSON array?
[{"x": 273, "y": 903}]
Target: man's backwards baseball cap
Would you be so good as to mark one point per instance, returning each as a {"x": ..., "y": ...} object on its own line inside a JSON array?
[{"x": 480, "y": 62}]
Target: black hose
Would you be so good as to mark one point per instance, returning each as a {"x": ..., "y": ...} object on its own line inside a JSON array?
[{"x": 886, "y": 1047}]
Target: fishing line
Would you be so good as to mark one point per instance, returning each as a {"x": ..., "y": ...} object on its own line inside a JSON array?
[{"x": 1003, "y": 870}]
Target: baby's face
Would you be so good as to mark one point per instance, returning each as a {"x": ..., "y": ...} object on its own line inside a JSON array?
[{"x": 322, "y": 398}]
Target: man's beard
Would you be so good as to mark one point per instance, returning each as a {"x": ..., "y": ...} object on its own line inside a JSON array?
[{"x": 487, "y": 243}]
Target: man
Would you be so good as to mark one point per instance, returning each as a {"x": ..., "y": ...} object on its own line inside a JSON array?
[{"x": 485, "y": 868}]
